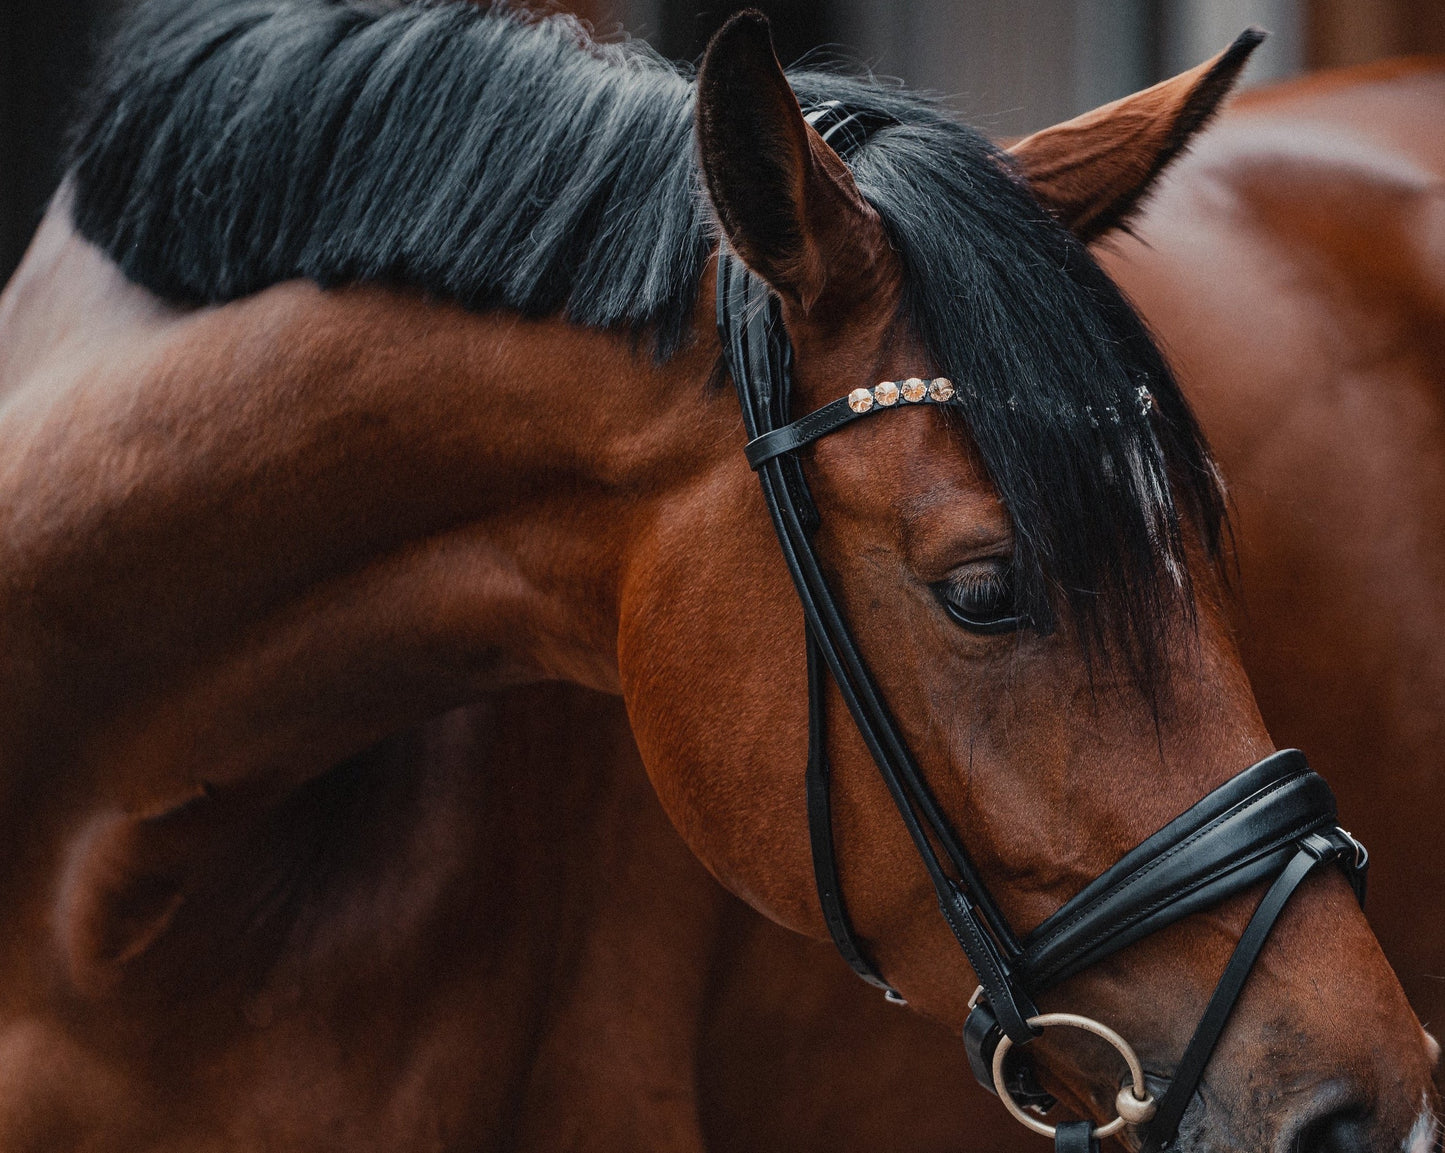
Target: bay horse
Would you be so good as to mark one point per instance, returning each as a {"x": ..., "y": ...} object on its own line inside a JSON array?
[{"x": 364, "y": 368}]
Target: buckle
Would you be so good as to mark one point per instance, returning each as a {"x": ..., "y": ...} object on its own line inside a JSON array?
[
  {"x": 981, "y": 1036},
  {"x": 1362, "y": 854}
]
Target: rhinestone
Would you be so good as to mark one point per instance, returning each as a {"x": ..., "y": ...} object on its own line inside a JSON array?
[
  {"x": 860, "y": 400},
  {"x": 914, "y": 389},
  {"x": 885, "y": 392},
  {"x": 940, "y": 388},
  {"x": 1146, "y": 400}
]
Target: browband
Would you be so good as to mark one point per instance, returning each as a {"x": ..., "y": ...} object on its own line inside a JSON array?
[{"x": 836, "y": 413}]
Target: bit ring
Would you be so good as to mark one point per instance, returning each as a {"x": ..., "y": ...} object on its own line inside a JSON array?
[{"x": 1134, "y": 1102}]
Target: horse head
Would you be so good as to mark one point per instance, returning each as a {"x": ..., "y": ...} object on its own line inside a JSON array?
[{"x": 1033, "y": 577}]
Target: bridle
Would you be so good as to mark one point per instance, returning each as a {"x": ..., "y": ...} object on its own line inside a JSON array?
[{"x": 1275, "y": 819}]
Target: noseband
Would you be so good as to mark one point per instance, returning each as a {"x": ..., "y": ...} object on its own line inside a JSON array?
[{"x": 1275, "y": 819}]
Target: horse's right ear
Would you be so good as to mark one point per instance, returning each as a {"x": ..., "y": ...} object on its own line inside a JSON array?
[{"x": 786, "y": 201}]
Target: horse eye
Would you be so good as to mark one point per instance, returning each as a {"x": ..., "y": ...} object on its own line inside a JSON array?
[{"x": 982, "y": 599}]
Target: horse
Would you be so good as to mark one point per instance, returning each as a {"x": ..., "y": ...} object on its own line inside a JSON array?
[{"x": 364, "y": 368}]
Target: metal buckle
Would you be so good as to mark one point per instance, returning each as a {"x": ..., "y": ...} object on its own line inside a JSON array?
[{"x": 1362, "y": 854}]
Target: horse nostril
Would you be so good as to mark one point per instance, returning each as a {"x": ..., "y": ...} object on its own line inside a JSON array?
[{"x": 1342, "y": 1131}]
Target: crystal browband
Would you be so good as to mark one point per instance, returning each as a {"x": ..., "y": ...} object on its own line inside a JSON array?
[
  {"x": 885, "y": 394},
  {"x": 835, "y": 414},
  {"x": 911, "y": 391}
]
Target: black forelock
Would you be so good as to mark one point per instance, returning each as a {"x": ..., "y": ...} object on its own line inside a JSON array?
[
  {"x": 1076, "y": 415},
  {"x": 501, "y": 160}
]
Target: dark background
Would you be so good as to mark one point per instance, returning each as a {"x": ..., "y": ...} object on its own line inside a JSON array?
[{"x": 1010, "y": 65}]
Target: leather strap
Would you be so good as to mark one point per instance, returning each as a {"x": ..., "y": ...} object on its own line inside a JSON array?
[
  {"x": 1162, "y": 1130},
  {"x": 1238, "y": 835},
  {"x": 1075, "y": 1137},
  {"x": 820, "y": 830},
  {"x": 845, "y": 129},
  {"x": 816, "y": 425},
  {"x": 758, "y": 356}
]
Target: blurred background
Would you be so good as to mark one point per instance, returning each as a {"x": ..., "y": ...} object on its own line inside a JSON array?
[{"x": 1009, "y": 66}]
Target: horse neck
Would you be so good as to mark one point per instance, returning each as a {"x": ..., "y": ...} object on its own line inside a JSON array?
[{"x": 269, "y": 533}]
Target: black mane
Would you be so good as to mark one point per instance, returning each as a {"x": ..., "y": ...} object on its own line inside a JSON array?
[
  {"x": 500, "y": 160},
  {"x": 488, "y": 157}
]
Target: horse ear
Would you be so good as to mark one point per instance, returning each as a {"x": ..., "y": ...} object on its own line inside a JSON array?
[
  {"x": 786, "y": 201},
  {"x": 1093, "y": 172}
]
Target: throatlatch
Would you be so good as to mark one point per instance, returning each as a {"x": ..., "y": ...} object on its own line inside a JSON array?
[{"x": 1275, "y": 819}]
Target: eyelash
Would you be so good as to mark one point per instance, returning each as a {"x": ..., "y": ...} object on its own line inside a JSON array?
[{"x": 983, "y": 603}]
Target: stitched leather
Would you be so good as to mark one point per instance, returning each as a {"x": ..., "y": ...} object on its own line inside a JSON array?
[
  {"x": 1161, "y": 1131},
  {"x": 993, "y": 974},
  {"x": 819, "y": 423},
  {"x": 1212, "y": 856},
  {"x": 1259, "y": 777},
  {"x": 816, "y": 425},
  {"x": 820, "y": 829}
]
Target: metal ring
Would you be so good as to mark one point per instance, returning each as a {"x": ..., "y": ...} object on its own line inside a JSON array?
[{"x": 1142, "y": 1100}]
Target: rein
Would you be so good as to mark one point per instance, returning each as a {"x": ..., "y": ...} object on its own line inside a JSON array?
[{"x": 1275, "y": 819}]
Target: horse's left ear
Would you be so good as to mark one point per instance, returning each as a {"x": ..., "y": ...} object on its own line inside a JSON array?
[
  {"x": 1093, "y": 172},
  {"x": 785, "y": 199}
]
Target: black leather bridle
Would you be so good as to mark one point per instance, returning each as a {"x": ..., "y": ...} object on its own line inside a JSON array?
[{"x": 1275, "y": 819}]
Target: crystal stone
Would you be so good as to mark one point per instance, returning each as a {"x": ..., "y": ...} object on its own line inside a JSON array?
[
  {"x": 914, "y": 389},
  {"x": 885, "y": 392},
  {"x": 940, "y": 388},
  {"x": 860, "y": 400}
]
